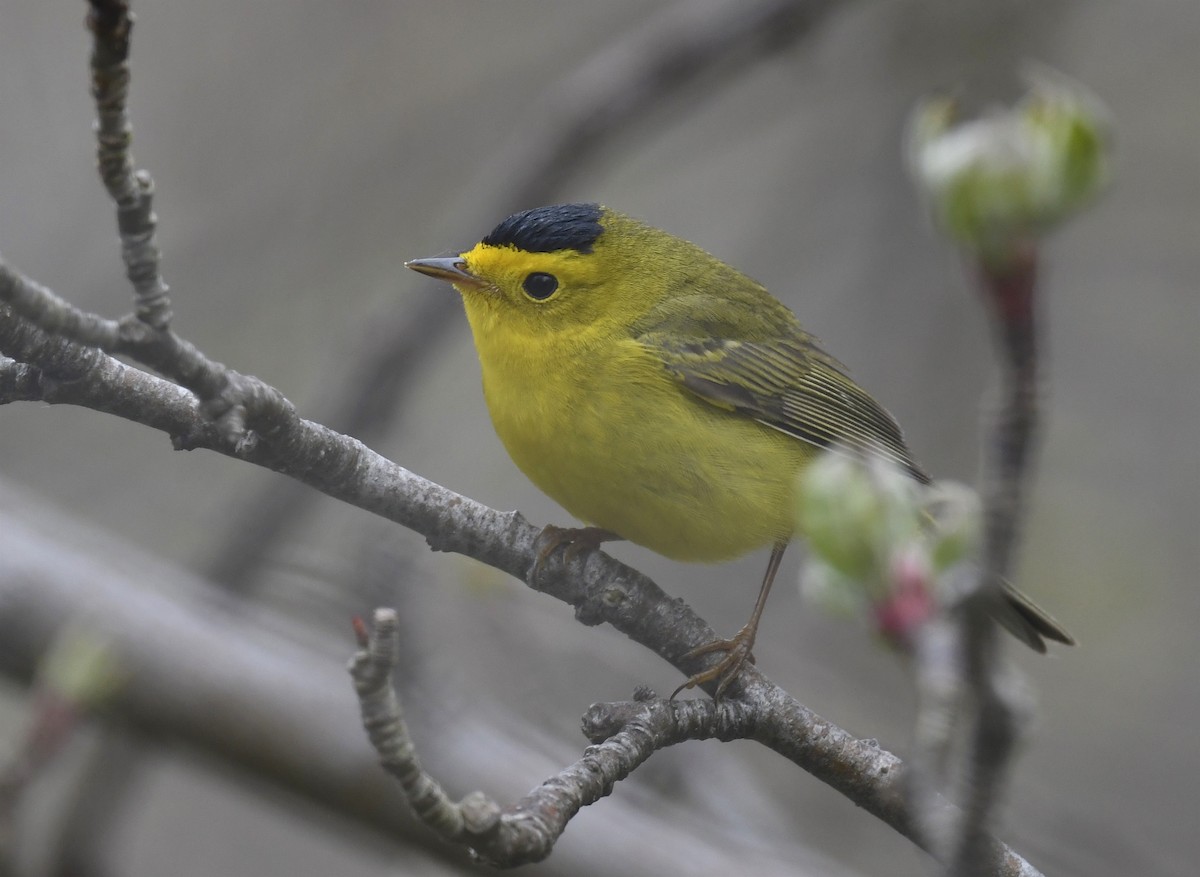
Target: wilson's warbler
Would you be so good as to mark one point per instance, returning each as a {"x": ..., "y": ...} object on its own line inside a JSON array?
[{"x": 660, "y": 395}]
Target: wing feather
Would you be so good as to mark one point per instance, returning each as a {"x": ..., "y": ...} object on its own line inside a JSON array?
[{"x": 788, "y": 384}]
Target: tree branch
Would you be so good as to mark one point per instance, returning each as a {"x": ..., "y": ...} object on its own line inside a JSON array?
[
  {"x": 624, "y": 736},
  {"x": 19, "y": 382},
  {"x": 267, "y": 702},
  {"x": 132, "y": 190},
  {"x": 999, "y": 714}
]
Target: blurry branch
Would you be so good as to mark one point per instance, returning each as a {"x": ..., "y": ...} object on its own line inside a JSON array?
[
  {"x": 633, "y": 77},
  {"x": 997, "y": 185},
  {"x": 998, "y": 703},
  {"x": 76, "y": 674},
  {"x": 262, "y": 701},
  {"x": 19, "y": 381},
  {"x": 624, "y": 83},
  {"x": 86, "y": 839}
]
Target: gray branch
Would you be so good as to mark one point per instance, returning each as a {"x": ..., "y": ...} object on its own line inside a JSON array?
[
  {"x": 236, "y": 403},
  {"x": 963, "y": 680},
  {"x": 19, "y": 382},
  {"x": 286, "y": 714},
  {"x": 1011, "y": 292},
  {"x": 132, "y": 190},
  {"x": 624, "y": 735}
]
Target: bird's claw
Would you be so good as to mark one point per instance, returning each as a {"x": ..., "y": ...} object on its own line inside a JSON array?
[{"x": 726, "y": 671}]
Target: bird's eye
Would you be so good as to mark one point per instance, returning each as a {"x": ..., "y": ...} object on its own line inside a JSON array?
[{"x": 540, "y": 285}]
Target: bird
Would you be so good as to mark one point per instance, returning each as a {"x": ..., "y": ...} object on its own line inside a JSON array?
[{"x": 663, "y": 397}]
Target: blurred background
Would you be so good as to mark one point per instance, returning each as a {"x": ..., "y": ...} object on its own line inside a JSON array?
[{"x": 302, "y": 151}]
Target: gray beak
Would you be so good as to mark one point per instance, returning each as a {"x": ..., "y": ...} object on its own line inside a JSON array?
[{"x": 452, "y": 269}]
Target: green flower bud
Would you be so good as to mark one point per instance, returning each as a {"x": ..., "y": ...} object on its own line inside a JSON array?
[
  {"x": 995, "y": 182},
  {"x": 955, "y": 523},
  {"x": 852, "y": 512}
]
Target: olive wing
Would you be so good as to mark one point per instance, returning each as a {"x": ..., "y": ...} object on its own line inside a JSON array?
[{"x": 788, "y": 384}]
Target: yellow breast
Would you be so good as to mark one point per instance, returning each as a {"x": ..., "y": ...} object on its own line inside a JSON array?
[{"x": 621, "y": 445}]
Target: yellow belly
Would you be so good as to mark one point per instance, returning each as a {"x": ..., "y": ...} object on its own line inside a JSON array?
[{"x": 621, "y": 445}]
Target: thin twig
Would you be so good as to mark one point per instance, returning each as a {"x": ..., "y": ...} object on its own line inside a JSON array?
[
  {"x": 941, "y": 692},
  {"x": 1010, "y": 289},
  {"x": 238, "y": 404},
  {"x": 624, "y": 736},
  {"x": 54, "y": 721},
  {"x": 131, "y": 189}
]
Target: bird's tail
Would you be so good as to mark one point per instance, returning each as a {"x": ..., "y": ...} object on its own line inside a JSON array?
[{"x": 1029, "y": 622}]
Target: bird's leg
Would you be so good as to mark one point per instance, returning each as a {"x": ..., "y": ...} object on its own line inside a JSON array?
[
  {"x": 576, "y": 540},
  {"x": 737, "y": 650}
]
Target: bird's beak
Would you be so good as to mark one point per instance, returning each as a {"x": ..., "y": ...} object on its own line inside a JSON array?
[{"x": 452, "y": 269}]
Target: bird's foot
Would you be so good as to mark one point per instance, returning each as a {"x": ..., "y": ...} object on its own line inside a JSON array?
[{"x": 728, "y": 669}]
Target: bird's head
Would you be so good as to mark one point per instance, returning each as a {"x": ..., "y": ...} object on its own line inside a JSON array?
[{"x": 566, "y": 268}]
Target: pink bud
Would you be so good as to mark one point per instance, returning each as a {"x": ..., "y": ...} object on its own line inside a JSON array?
[{"x": 909, "y": 602}]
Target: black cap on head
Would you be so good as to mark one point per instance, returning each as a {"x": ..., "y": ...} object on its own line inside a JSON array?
[{"x": 546, "y": 229}]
